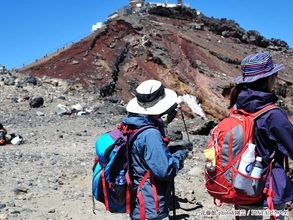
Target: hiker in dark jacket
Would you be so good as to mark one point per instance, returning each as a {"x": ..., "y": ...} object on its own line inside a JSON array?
[
  {"x": 3, "y": 133},
  {"x": 273, "y": 132},
  {"x": 149, "y": 151}
]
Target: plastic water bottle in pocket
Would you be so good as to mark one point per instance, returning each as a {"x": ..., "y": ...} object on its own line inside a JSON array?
[
  {"x": 245, "y": 167},
  {"x": 257, "y": 168},
  {"x": 120, "y": 188}
]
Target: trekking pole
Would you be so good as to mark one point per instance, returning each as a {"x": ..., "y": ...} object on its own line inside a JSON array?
[
  {"x": 173, "y": 199},
  {"x": 173, "y": 187},
  {"x": 184, "y": 124}
]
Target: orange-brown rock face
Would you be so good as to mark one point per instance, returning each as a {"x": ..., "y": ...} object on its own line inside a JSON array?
[{"x": 176, "y": 46}]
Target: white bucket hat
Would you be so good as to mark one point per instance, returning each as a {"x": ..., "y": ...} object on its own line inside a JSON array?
[{"x": 151, "y": 98}]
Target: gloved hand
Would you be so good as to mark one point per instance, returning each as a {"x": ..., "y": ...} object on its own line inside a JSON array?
[
  {"x": 181, "y": 156},
  {"x": 180, "y": 145},
  {"x": 185, "y": 153}
]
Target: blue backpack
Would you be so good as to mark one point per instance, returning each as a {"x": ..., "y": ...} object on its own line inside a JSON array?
[{"x": 113, "y": 155}]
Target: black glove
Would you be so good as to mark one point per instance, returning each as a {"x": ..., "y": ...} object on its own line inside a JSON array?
[
  {"x": 180, "y": 145},
  {"x": 185, "y": 153}
]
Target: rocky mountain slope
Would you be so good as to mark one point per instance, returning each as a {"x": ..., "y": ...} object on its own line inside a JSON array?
[{"x": 190, "y": 53}]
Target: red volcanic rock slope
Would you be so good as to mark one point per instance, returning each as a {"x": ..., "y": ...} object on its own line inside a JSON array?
[{"x": 176, "y": 46}]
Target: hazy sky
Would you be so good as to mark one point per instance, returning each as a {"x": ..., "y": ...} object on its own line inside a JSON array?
[{"x": 32, "y": 28}]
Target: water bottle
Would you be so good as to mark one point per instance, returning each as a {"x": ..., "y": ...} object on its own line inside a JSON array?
[
  {"x": 245, "y": 167},
  {"x": 120, "y": 188},
  {"x": 247, "y": 160},
  {"x": 257, "y": 168}
]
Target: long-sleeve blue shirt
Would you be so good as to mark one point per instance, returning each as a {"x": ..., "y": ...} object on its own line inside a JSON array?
[{"x": 149, "y": 152}]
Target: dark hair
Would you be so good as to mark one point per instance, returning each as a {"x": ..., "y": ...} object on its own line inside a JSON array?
[{"x": 259, "y": 85}]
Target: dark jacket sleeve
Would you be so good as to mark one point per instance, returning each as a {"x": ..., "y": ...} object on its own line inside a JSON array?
[
  {"x": 275, "y": 133},
  {"x": 279, "y": 129}
]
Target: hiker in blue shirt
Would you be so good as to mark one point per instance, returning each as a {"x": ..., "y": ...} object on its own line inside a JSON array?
[
  {"x": 149, "y": 151},
  {"x": 273, "y": 132}
]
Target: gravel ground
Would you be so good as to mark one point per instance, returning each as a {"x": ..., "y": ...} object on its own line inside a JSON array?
[{"x": 48, "y": 176}]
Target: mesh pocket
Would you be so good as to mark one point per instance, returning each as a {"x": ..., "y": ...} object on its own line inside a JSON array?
[{"x": 248, "y": 185}]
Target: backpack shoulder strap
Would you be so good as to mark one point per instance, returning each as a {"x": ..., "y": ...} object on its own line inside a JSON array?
[
  {"x": 264, "y": 110},
  {"x": 255, "y": 115},
  {"x": 147, "y": 175},
  {"x": 133, "y": 135}
]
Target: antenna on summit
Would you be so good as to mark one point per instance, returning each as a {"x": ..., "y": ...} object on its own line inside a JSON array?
[{"x": 179, "y": 2}]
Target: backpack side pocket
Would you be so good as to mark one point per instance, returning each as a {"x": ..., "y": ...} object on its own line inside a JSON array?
[{"x": 248, "y": 185}]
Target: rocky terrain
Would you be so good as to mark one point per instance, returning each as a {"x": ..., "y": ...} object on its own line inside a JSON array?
[
  {"x": 48, "y": 176},
  {"x": 62, "y": 103}
]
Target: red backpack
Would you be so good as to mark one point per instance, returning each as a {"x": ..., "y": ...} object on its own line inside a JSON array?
[{"x": 226, "y": 144}]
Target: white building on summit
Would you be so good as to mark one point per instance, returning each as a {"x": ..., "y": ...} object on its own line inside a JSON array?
[
  {"x": 134, "y": 6},
  {"x": 139, "y": 3},
  {"x": 136, "y": 3}
]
